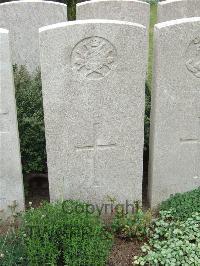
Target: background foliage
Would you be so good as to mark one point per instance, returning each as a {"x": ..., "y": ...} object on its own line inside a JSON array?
[{"x": 30, "y": 120}]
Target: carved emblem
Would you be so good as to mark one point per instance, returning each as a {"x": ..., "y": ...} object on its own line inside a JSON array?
[
  {"x": 193, "y": 57},
  {"x": 93, "y": 57}
]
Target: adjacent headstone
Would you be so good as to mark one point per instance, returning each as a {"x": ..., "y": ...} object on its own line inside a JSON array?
[
  {"x": 93, "y": 76},
  {"x": 23, "y": 20},
  {"x": 126, "y": 10},
  {"x": 177, "y": 9},
  {"x": 11, "y": 184},
  {"x": 175, "y": 115}
]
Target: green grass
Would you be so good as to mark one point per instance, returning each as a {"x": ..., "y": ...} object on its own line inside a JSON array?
[{"x": 153, "y": 19}]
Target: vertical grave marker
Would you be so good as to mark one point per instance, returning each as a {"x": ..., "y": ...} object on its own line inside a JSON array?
[
  {"x": 126, "y": 10},
  {"x": 11, "y": 184},
  {"x": 178, "y": 9},
  {"x": 175, "y": 122},
  {"x": 94, "y": 108},
  {"x": 23, "y": 20}
]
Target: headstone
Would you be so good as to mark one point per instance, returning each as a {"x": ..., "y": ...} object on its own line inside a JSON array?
[
  {"x": 93, "y": 76},
  {"x": 11, "y": 184},
  {"x": 23, "y": 20},
  {"x": 126, "y": 10},
  {"x": 177, "y": 9},
  {"x": 175, "y": 115}
]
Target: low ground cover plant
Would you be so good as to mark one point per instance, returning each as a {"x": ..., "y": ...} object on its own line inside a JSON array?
[
  {"x": 172, "y": 242},
  {"x": 65, "y": 232},
  {"x": 175, "y": 235},
  {"x": 132, "y": 225},
  {"x": 57, "y": 234},
  {"x": 12, "y": 250},
  {"x": 183, "y": 205}
]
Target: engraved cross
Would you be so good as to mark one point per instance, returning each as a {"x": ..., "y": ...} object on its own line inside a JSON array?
[
  {"x": 192, "y": 140},
  {"x": 195, "y": 141},
  {"x": 95, "y": 147}
]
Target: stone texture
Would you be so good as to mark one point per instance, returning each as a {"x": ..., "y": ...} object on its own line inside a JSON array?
[
  {"x": 11, "y": 185},
  {"x": 178, "y": 9},
  {"x": 175, "y": 118},
  {"x": 94, "y": 108},
  {"x": 23, "y": 19},
  {"x": 126, "y": 10}
]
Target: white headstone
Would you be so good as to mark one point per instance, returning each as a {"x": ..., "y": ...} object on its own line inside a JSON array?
[
  {"x": 126, "y": 10},
  {"x": 93, "y": 76},
  {"x": 177, "y": 9},
  {"x": 175, "y": 115},
  {"x": 11, "y": 184},
  {"x": 23, "y": 20}
]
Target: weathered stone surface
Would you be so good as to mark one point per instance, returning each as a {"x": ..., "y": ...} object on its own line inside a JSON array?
[
  {"x": 175, "y": 118},
  {"x": 23, "y": 20},
  {"x": 11, "y": 185},
  {"x": 93, "y": 76},
  {"x": 178, "y": 9},
  {"x": 126, "y": 10}
]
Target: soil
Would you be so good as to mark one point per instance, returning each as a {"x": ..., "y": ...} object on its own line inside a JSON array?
[
  {"x": 36, "y": 189},
  {"x": 123, "y": 252}
]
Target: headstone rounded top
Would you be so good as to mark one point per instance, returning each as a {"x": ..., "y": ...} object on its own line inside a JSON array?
[
  {"x": 4, "y": 31},
  {"x": 89, "y": 21},
  {"x": 93, "y": 96},
  {"x": 23, "y": 20},
  {"x": 177, "y": 9},
  {"x": 31, "y": 1},
  {"x": 174, "y": 144},
  {"x": 175, "y": 22},
  {"x": 170, "y": 1},
  {"x": 126, "y": 10},
  {"x": 96, "y": 1}
]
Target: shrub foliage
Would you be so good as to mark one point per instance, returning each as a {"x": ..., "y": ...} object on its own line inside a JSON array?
[
  {"x": 12, "y": 250},
  {"x": 57, "y": 234},
  {"x": 65, "y": 233},
  {"x": 30, "y": 120},
  {"x": 183, "y": 205},
  {"x": 132, "y": 225}
]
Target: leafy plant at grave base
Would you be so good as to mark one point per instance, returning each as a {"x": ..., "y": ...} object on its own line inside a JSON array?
[
  {"x": 12, "y": 250},
  {"x": 65, "y": 233},
  {"x": 30, "y": 120},
  {"x": 183, "y": 205},
  {"x": 172, "y": 242},
  {"x": 132, "y": 225}
]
